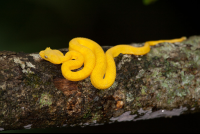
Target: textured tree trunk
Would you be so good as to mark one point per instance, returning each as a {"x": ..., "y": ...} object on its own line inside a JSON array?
[{"x": 164, "y": 82}]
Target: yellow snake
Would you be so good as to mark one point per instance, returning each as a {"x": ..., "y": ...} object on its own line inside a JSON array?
[{"x": 96, "y": 62}]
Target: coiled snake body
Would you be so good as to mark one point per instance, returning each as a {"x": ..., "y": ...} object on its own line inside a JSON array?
[{"x": 96, "y": 62}]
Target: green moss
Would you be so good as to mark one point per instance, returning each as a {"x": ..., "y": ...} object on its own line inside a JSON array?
[
  {"x": 86, "y": 115},
  {"x": 138, "y": 104},
  {"x": 45, "y": 100},
  {"x": 33, "y": 80},
  {"x": 158, "y": 96},
  {"x": 137, "y": 98},
  {"x": 114, "y": 85},
  {"x": 96, "y": 116},
  {"x": 34, "y": 95},
  {"x": 169, "y": 101},
  {"x": 143, "y": 90}
]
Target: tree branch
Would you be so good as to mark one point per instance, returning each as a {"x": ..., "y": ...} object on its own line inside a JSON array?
[{"x": 164, "y": 82}]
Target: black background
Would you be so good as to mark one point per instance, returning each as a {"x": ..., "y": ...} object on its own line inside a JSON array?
[{"x": 33, "y": 25}]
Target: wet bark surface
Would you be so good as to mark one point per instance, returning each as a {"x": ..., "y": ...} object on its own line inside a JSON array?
[{"x": 164, "y": 82}]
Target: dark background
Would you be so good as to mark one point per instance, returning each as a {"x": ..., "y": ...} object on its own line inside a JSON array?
[{"x": 33, "y": 25}]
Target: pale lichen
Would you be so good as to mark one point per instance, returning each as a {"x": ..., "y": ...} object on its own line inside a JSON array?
[
  {"x": 125, "y": 58},
  {"x": 24, "y": 65},
  {"x": 129, "y": 97},
  {"x": 36, "y": 57},
  {"x": 3, "y": 85},
  {"x": 29, "y": 64},
  {"x": 140, "y": 74}
]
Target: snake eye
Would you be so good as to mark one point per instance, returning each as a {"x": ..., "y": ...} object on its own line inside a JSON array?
[{"x": 45, "y": 57}]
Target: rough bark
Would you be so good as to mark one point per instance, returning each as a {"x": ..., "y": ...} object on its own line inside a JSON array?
[{"x": 164, "y": 82}]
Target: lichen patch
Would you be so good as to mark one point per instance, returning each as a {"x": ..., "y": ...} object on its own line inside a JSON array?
[
  {"x": 36, "y": 57},
  {"x": 3, "y": 85},
  {"x": 45, "y": 100},
  {"x": 24, "y": 65},
  {"x": 29, "y": 64},
  {"x": 17, "y": 60}
]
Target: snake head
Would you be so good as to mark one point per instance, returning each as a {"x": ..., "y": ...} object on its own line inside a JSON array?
[{"x": 53, "y": 56}]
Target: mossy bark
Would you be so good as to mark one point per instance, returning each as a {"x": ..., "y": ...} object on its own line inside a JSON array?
[{"x": 34, "y": 94}]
